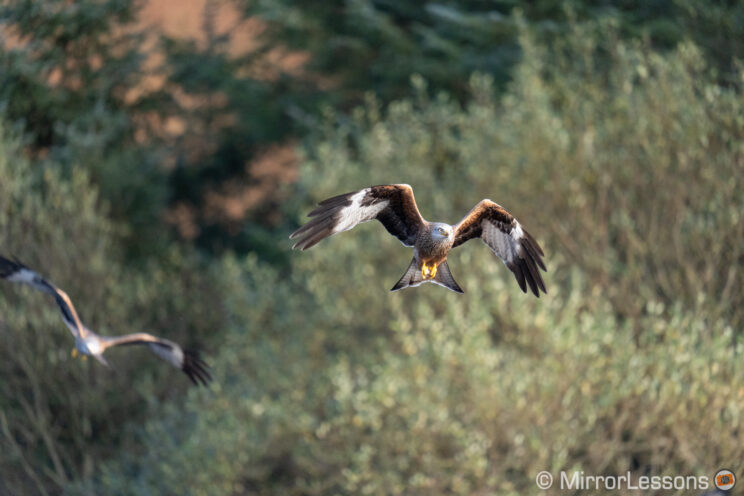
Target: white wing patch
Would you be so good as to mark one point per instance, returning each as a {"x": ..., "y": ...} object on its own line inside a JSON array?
[
  {"x": 30, "y": 278},
  {"x": 516, "y": 231},
  {"x": 506, "y": 246},
  {"x": 24, "y": 276},
  {"x": 356, "y": 214},
  {"x": 172, "y": 353}
]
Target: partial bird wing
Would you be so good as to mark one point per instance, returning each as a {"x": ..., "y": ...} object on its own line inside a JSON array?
[
  {"x": 507, "y": 239},
  {"x": 15, "y": 271},
  {"x": 392, "y": 204},
  {"x": 187, "y": 361}
]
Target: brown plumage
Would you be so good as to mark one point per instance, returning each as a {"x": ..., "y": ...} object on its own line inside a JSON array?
[
  {"x": 395, "y": 207},
  {"x": 400, "y": 216}
]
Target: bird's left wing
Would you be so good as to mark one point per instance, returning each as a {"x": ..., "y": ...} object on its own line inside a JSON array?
[
  {"x": 392, "y": 204},
  {"x": 508, "y": 240},
  {"x": 187, "y": 361},
  {"x": 15, "y": 271}
]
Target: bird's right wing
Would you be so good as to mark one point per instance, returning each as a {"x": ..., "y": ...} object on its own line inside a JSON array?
[
  {"x": 507, "y": 239},
  {"x": 392, "y": 204},
  {"x": 15, "y": 271},
  {"x": 187, "y": 361}
]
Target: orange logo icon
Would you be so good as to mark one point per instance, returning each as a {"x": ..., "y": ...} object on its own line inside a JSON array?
[{"x": 725, "y": 480}]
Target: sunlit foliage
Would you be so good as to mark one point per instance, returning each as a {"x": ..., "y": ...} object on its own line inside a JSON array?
[{"x": 627, "y": 166}]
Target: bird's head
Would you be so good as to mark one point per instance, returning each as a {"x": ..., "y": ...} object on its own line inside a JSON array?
[{"x": 441, "y": 232}]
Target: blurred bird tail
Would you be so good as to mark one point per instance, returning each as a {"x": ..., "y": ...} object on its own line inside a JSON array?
[
  {"x": 100, "y": 358},
  {"x": 414, "y": 277}
]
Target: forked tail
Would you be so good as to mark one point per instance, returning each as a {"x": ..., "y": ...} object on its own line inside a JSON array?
[{"x": 413, "y": 277}]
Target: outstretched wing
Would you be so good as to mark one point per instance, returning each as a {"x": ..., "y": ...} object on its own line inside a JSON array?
[
  {"x": 392, "y": 204},
  {"x": 187, "y": 361},
  {"x": 507, "y": 239},
  {"x": 15, "y": 271}
]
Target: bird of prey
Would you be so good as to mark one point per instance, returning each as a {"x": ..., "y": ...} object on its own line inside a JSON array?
[
  {"x": 88, "y": 343},
  {"x": 395, "y": 207}
]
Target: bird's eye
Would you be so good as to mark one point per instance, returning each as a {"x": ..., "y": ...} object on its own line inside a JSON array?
[{"x": 441, "y": 230}]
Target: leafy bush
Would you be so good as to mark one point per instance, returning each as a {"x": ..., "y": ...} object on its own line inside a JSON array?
[
  {"x": 625, "y": 164},
  {"x": 440, "y": 394},
  {"x": 58, "y": 416}
]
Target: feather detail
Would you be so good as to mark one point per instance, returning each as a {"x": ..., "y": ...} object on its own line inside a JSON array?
[
  {"x": 508, "y": 240},
  {"x": 393, "y": 205}
]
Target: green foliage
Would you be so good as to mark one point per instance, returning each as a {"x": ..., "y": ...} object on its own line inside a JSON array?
[
  {"x": 59, "y": 416},
  {"x": 628, "y": 173},
  {"x": 73, "y": 73},
  {"x": 238, "y": 104},
  {"x": 448, "y": 396},
  {"x": 624, "y": 159},
  {"x": 625, "y": 164}
]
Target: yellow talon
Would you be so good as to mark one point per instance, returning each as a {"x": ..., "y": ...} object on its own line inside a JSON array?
[
  {"x": 74, "y": 353},
  {"x": 84, "y": 358},
  {"x": 428, "y": 272}
]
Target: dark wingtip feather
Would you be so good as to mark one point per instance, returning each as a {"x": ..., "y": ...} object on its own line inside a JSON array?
[
  {"x": 533, "y": 249},
  {"x": 519, "y": 275},
  {"x": 333, "y": 202},
  {"x": 323, "y": 218},
  {"x": 530, "y": 262},
  {"x": 196, "y": 368},
  {"x": 9, "y": 267},
  {"x": 318, "y": 228},
  {"x": 536, "y": 277},
  {"x": 529, "y": 275},
  {"x": 533, "y": 242}
]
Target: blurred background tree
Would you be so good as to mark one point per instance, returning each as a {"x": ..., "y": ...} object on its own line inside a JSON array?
[
  {"x": 238, "y": 110},
  {"x": 626, "y": 173},
  {"x": 59, "y": 415},
  {"x": 375, "y": 45},
  {"x": 155, "y": 175},
  {"x": 308, "y": 55},
  {"x": 70, "y": 73}
]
